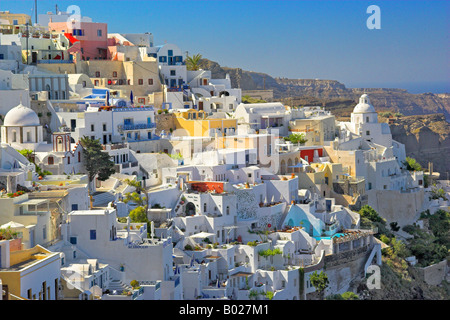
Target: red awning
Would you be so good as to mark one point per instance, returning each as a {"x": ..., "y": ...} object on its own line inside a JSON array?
[{"x": 71, "y": 38}]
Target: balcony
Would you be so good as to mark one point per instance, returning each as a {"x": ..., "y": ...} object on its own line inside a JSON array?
[
  {"x": 137, "y": 126},
  {"x": 53, "y": 61},
  {"x": 351, "y": 180}
]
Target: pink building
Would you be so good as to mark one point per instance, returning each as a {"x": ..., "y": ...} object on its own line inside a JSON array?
[{"x": 90, "y": 39}]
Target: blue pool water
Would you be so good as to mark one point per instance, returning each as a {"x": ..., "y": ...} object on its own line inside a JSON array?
[{"x": 337, "y": 235}]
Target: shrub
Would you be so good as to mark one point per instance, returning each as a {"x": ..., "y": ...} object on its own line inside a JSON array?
[
  {"x": 134, "y": 283},
  {"x": 188, "y": 247},
  {"x": 394, "y": 226},
  {"x": 385, "y": 239},
  {"x": 350, "y": 296}
]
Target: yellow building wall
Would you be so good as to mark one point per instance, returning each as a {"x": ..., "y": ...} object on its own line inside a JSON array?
[
  {"x": 201, "y": 127},
  {"x": 12, "y": 280},
  {"x": 21, "y": 18}
]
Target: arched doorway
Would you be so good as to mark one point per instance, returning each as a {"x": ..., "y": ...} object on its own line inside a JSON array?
[
  {"x": 296, "y": 163},
  {"x": 190, "y": 209},
  {"x": 283, "y": 167}
]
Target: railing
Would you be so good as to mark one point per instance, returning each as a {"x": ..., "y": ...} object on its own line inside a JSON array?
[
  {"x": 350, "y": 180},
  {"x": 157, "y": 284},
  {"x": 53, "y": 61},
  {"x": 137, "y": 126}
]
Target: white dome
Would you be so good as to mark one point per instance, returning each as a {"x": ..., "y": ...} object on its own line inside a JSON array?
[
  {"x": 21, "y": 116},
  {"x": 364, "y": 105}
]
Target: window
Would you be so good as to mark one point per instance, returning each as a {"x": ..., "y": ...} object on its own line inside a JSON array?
[
  {"x": 50, "y": 160},
  {"x": 44, "y": 232},
  {"x": 97, "y": 74},
  {"x": 367, "y": 119},
  {"x": 74, "y": 206},
  {"x": 163, "y": 59},
  {"x": 228, "y": 210},
  {"x": 141, "y": 100},
  {"x": 173, "y": 72},
  {"x": 99, "y": 33},
  {"x": 367, "y": 133},
  {"x": 15, "y": 22},
  {"x": 73, "y": 240},
  {"x": 92, "y": 127},
  {"x": 170, "y": 53},
  {"x": 93, "y": 234},
  {"x": 204, "y": 207},
  {"x": 114, "y": 74},
  {"x": 150, "y": 82},
  {"x": 141, "y": 81},
  {"x": 96, "y": 83},
  {"x": 2, "y": 56}
]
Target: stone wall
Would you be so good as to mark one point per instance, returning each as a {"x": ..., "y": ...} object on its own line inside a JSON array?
[
  {"x": 434, "y": 274},
  {"x": 164, "y": 122},
  {"x": 396, "y": 206},
  {"x": 344, "y": 268},
  {"x": 266, "y": 95}
]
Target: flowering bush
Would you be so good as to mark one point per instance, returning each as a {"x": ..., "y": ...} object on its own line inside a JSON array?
[{"x": 15, "y": 194}]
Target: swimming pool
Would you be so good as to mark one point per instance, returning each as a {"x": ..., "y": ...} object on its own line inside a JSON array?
[{"x": 337, "y": 235}]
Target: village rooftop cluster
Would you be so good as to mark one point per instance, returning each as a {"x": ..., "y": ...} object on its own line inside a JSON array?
[{"x": 198, "y": 195}]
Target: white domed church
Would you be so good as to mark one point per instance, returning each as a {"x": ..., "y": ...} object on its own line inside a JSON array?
[
  {"x": 364, "y": 123},
  {"x": 21, "y": 129}
]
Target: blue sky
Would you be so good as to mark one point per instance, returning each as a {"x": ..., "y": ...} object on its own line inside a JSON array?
[{"x": 292, "y": 39}]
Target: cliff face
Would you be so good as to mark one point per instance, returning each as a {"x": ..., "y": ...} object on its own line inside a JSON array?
[
  {"x": 426, "y": 139},
  {"x": 334, "y": 92}
]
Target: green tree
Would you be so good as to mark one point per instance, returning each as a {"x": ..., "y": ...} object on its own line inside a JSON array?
[
  {"x": 27, "y": 153},
  {"x": 193, "y": 63},
  {"x": 96, "y": 162},
  {"x": 297, "y": 138},
  {"x": 138, "y": 214},
  {"x": 370, "y": 213},
  {"x": 437, "y": 193},
  {"x": 319, "y": 281},
  {"x": 412, "y": 165},
  {"x": 136, "y": 198}
]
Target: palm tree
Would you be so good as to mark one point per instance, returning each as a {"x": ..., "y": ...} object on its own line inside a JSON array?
[{"x": 193, "y": 63}]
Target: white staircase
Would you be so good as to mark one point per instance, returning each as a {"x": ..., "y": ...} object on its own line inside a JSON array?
[
  {"x": 118, "y": 286},
  {"x": 103, "y": 198}
]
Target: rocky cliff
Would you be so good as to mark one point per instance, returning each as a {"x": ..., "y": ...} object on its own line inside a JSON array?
[
  {"x": 333, "y": 92},
  {"x": 426, "y": 139}
]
